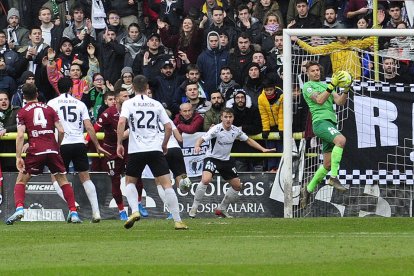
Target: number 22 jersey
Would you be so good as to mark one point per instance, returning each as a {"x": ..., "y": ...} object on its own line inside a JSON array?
[{"x": 143, "y": 114}]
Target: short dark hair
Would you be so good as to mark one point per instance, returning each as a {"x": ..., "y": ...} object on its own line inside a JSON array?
[
  {"x": 301, "y": 1},
  {"x": 64, "y": 85},
  {"x": 76, "y": 7},
  {"x": 140, "y": 83},
  {"x": 5, "y": 92},
  {"x": 311, "y": 63},
  {"x": 109, "y": 93},
  {"x": 226, "y": 68},
  {"x": 34, "y": 28},
  {"x": 331, "y": 7},
  {"x": 134, "y": 25},
  {"x": 217, "y": 8},
  {"x": 244, "y": 35},
  {"x": 243, "y": 7},
  {"x": 226, "y": 110},
  {"x": 29, "y": 91},
  {"x": 191, "y": 67}
]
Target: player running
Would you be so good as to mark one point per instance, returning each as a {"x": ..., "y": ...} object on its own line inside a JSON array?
[
  {"x": 217, "y": 158},
  {"x": 39, "y": 121},
  {"x": 320, "y": 97},
  {"x": 75, "y": 117}
]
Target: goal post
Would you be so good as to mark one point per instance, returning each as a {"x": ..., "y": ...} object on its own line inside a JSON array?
[{"x": 288, "y": 80}]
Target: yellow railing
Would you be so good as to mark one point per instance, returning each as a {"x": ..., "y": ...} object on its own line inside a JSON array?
[{"x": 272, "y": 136}]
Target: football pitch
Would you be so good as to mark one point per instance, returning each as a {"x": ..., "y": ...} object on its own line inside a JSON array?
[{"x": 317, "y": 246}]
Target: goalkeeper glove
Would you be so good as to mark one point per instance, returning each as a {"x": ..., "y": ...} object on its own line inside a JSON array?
[
  {"x": 265, "y": 134},
  {"x": 336, "y": 77}
]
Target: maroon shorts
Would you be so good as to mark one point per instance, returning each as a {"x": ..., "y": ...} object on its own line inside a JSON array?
[
  {"x": 115, "y": 166},
  {"x": 35, "y": 163}
]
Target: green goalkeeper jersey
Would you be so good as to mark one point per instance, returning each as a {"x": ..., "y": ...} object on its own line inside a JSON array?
[{"x": 319, "y": 112}]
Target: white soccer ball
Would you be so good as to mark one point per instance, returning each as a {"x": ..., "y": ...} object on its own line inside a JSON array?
[{"x": 346, "y": 80}]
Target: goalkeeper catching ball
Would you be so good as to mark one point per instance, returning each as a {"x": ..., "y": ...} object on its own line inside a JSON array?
[{"x": 320, "y": 98}]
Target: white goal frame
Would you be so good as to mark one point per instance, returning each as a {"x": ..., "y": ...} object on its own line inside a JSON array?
[{"x": 287, "y": 91}]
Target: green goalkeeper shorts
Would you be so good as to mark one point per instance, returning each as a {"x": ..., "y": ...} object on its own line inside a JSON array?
[{"x": 327, "y": 131}]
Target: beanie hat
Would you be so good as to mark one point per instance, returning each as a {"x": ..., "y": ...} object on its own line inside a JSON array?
[
  {"x": 239, "y": 91},
  {"x": 126, "y": 70},
  {"x": 13, "y": 12}
]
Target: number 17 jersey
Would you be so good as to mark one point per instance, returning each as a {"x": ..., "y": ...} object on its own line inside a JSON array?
[{"x": 142, "y": 114}]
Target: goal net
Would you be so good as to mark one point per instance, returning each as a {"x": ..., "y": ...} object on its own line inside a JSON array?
[{"x": 377, "y": 121}]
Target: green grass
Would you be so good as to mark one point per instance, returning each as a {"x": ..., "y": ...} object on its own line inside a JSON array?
[{"x": 343, "y": 246}]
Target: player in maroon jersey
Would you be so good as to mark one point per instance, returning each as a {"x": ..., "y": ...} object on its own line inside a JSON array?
[
  {"x": 39, "y": 122},
  {"x": 108, "y": 122}
]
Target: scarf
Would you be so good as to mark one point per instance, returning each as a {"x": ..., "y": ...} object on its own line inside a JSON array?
[
  {"x": 271, "y": 28},
  {"x": 98, "y": 15},
  {"x": 12, "y": 36},
  {"x": 128, "y": 87},
  {"x": 32, "y": 66},
  {"x": 2, "y": 50},
  {"x": 97, "y": 98},
  {"x": 226, "y": 86},
  {"x": 134, "y": 47}
]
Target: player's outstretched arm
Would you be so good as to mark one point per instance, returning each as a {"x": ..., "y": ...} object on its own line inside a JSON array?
[
  {"x": 19, "y": 147},
  {"x": 197, "y": 146},
  {"x": 92, "y": 134},
  {"x": 257, "y": 146},
  {"x": 120, "y": 137}
]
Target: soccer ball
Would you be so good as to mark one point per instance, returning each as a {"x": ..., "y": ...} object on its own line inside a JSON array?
[{"x": 346, "y": 80}]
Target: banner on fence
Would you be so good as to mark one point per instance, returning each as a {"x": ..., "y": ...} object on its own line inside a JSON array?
[{"x": 43, "y": 204}]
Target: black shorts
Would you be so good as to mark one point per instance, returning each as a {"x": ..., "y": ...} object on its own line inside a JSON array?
[
  {"x": 154, "y": 159},
  {"x": 78, "y": 154},
  {"x": 175, "y": 160},
  {"x": 227, "y": 169}
]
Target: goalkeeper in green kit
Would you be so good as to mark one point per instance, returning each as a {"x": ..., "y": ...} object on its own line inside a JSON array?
[{"x": 320, "y": 98}]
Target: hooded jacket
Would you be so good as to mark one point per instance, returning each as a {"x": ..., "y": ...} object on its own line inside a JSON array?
[
  {"x": 271, "y": 111},
  {"x": 210, "y": 61}
]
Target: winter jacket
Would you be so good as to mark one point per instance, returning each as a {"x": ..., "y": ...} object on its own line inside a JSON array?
[
  {"x": 7, "y": 83},
  {"x": 194, "y": 48},
  {"x": 153, "y": 67},
  {"x": 22, "y": 35},
  {"x": 212, "y": 117},
  {"x": 317, "y": 9},
  {"x": 239, "y": 62},
  {"x": 210, "y": 62},
  {"x": 111, "y": 60},
  {"x": 271, "y": 113},
  {"x": 193, "y": 125}
]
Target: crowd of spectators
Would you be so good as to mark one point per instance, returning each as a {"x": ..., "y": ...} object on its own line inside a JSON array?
[{"x": 198, "y": 55}]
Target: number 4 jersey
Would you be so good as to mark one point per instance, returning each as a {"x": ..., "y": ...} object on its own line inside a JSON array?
[
  {"x": 72, "y": 113},
  {"x": 143, "y": 114},
  {"x": 39, "y": 120}
]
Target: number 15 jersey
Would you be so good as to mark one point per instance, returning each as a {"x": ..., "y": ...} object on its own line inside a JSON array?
[
  {"x": 143, "y": 114},
  {"x": 71, "y": 113}
]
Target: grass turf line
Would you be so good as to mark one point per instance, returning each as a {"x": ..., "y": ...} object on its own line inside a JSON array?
[{"x": 210, "y": 247}]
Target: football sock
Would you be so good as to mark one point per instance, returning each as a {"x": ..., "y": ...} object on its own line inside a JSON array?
[
  {"x": 336, "y": 158},
  {"x": 231, "y": 196},
  {"x": 69, "y": 196},
  {"x": 172, "y": 203},
  {"x": 116, "y": 191},
  {"x": 58, "y": 189},
  {"x": 140, "y": 187},
  {"x": 92, "y": 196},
  {"x": 317, "y": 178},
  {"x": 199, "y": 194},
  {"x": 161, "y": 193},
  {"x": 132, "y": 196},
  {"x": 19, "y": 194}
]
